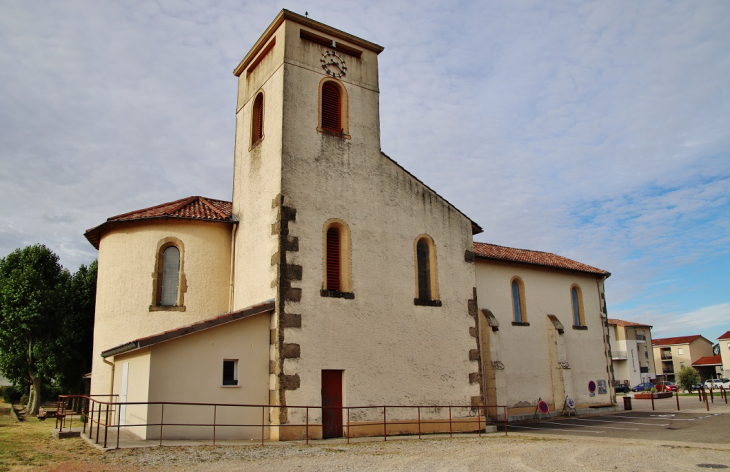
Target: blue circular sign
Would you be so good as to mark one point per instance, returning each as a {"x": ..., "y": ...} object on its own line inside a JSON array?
[
  {"x": 591, "y": 386},
  {"x": 543, "y": 407}
]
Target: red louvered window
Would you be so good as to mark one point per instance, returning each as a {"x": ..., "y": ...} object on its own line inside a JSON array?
[
  {"x": 331, "y": 108},
  {"x": 333, "y": 259},
  {"x": 257, "y": 131}
]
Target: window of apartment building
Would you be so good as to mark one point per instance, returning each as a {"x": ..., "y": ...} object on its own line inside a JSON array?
[{"x": 680, "y": 351}]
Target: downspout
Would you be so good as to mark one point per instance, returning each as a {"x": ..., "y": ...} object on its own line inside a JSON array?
[
  {"x": 111, "y": 384},
  {"x": 233, "y": 265}
]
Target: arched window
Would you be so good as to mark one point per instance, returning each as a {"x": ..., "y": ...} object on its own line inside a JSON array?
[
  {"x": 169, "y": 278},
  {"x": 257, "y": 119},
  {"x": 518, "y": 302},
  {"x": 424, "y": 275},
  {"x": 331, "y": 108},
  {"x": 426, "y": 272},
  {"x": 576, "y": 299},
  {"x": 337, "y": 276},
  {"x": 333, "y": 258}
]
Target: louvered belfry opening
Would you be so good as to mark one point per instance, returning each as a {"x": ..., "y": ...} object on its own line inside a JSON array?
[
  {"x": 333, "y": 259},
  {"x": 258, "y": 118},
  {"x": 424, "y": 278},
  {"x": 331, "y": 108}
]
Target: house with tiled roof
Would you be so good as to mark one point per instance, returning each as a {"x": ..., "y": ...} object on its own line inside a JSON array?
[
  {"x": 670, "y": 354},
  {"x": 333, "y": 278},
  {"x": 631, "y": 352}
]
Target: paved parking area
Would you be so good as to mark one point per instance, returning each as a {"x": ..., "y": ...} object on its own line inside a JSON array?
[{"x": 689, "y": 427}]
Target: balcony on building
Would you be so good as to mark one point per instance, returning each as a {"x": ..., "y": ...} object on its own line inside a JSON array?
[
  {"x": 666, "y": 354},
  {"x": 645, "y": 369},
  {"x": 619, "y": 355},
  {"x": 640, "y": 338}
]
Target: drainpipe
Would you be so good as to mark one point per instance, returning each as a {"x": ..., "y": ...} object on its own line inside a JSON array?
[
  {"x": 606, "y": 331},
  {"x": 233, "y": 265},
  {"x": 111, "y": 384}
]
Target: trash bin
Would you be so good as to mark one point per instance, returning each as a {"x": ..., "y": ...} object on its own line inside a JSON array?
[{"x": 627, "y": 403}]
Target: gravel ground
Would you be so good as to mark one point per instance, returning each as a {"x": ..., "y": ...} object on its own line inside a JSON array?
[{"x": 494, "y": 453}]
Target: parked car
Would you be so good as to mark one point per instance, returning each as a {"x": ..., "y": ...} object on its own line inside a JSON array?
[
  {"x": 717, "y": 383},
  {"x": 670, "y": 387},
  {"x": 698, "y": 386},
  {"x": 642, "y": 386},
  {"x": 623, "y": 388}
]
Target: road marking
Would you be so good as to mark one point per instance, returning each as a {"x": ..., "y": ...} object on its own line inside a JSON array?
[
  {"x": 623, "y": 422},
  {"x": 648, "y": 418},
  {"x": 590, "y": 426},
  {"x": 554, "y": 429}
]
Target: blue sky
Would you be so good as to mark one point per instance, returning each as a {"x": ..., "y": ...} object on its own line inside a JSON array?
[{"x": 596, "y": 130}]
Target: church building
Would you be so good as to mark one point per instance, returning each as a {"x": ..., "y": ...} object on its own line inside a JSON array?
[{"x": 334, "y": 278}]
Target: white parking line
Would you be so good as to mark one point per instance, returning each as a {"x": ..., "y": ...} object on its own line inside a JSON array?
[
  {"x": 590, "y": 426},
  {"x": 554, "y": 429},
  {"x": 623, "y": 422},
  {"x": 663, "y": 417}
]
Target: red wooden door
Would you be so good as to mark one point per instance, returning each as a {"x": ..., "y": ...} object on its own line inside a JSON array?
[{"x": 331, "y": 404}]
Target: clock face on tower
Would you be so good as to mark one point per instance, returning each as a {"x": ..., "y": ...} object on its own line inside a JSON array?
[{"x": 333, "y": 64}]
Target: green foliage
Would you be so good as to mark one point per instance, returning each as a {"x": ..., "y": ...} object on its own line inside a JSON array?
[
  {"x": 653, "y": 390},
  {"x": 12, "y": 393},
  {"x": 647, "y": 389},
  {"x": 46, "y": 321},
  {"x": 687, "y": 377}
]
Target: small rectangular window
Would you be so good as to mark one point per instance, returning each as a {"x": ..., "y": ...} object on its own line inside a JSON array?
[
  {"x": 230, "y": 372},
  {"x": 680, "y": 351}
]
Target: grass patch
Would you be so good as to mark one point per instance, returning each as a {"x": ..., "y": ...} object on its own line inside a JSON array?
[{"x": 29, "y": 443}]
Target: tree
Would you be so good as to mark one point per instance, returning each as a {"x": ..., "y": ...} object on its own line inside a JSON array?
[
  {"x": 46, "y": 319},
  {"x": 687, "y": 377}
]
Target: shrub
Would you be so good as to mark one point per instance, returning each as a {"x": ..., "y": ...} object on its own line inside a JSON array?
[{"x": 687, "y": 377}]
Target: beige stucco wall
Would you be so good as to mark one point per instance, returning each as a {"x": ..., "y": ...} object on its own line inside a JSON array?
[
  {"x": 391, "y": 351},
  {"x": 127, "y": 261},
  {"x": 138, "y": 387},
  {"x": 725, "y": 355},
  {"x": 257, "y": 179},
  {"x": 190, "y": 369},
  {"x": 525, "y": 350},
  {"x": 638, "y": 353}
]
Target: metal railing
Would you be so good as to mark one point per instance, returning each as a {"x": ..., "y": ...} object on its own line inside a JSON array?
[
  {"x": 640, "y": 337},
  {"x": 101, "y": 417},
  {"x": 666, "y": 356},
  {"x": 619, "y": 354}
]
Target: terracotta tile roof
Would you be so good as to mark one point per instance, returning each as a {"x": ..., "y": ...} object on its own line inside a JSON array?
[
  {"x": 622, "y": 323},
  {"x": 708, "y": 360},
  {"x": 526, "y": 256},
  {"x": 190, "y": 329},
  {"x": 677, "y": 340},
  {"x": 190, "y": 208},
  {"x": 725, "y": 336}
]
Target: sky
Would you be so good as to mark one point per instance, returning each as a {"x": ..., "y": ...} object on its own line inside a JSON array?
[{"x": 599, "y": 131}]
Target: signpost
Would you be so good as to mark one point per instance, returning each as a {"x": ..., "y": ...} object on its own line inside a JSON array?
[{"x": 541, "y": 409}]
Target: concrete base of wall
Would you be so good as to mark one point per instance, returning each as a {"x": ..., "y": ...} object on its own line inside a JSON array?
[{"x": 581, "y": 412}]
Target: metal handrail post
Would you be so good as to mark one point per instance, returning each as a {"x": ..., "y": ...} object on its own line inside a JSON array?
[
  {"x": 479, "y": 421},
  {"x": 306, "y": 427},
  {"x": 98, "y": 422},
  {"x": 348, "y": 425},
  {"x": 119, "y": 422},
  {"x": 162, "y": 420},
  {"x": 419, "y": 422},
  {"x": 263, "y": 416},
  {"x": 385, "y": 426},
  {"x": 106, "y": 425},
  {"x": 85, "y": 411},
  {"x": 215, "y": 412},
  {"x": 451, "y": 430}
]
